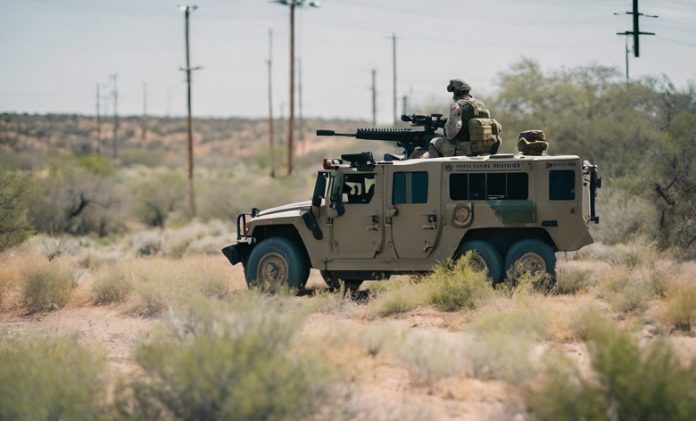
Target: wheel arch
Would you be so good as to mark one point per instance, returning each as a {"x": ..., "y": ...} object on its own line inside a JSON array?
[
  {"x": 288, "y": 231},
  {"x": 503, "y": 238}
]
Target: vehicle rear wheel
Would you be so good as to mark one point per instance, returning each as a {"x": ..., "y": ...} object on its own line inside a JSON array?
[
  {"x": 276, "y": 262},
  {"x": 485, "y": 257},
  {"x": 534, "y": 257}
]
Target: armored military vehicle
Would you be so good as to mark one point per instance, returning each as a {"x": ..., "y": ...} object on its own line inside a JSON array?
[{"x": 371, "y": 219}]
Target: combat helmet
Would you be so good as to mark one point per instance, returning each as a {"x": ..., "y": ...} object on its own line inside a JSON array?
[{"x": 458, "y": 84}]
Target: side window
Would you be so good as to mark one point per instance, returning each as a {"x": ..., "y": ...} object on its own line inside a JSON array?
[
  {"x": 491, "y": 186},
  {"x": 410, "y": 187},
  {"x": 562, "y": 185},
  {"x": 459, "y": 186},
  {"x": 358, "y": 188}
]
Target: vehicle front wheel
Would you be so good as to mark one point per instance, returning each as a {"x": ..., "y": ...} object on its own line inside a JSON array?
[
  {"x": 533, "y": 256},
  {"x": 276, "y": 262},
  {"x": 485, "y": 257}
]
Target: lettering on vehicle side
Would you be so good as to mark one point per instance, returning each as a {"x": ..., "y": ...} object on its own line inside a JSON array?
[
  {"x": 486, "y": 166},
  {"x": 561, "y": 164}
]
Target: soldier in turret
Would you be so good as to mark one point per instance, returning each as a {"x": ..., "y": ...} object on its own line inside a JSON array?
[{"x": 457, "y": 140}]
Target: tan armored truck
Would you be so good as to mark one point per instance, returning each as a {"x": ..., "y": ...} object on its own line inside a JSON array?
[{"x": 370, "y": 219}]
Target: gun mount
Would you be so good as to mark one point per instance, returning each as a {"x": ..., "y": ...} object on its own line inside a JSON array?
[{"x": 410, "y": 140}]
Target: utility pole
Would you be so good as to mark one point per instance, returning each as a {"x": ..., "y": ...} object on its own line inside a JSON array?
[
  {"x": 405, "y": 106},
  {"x": 144, "y": 124},
  {"x": 636, "y": 33},
  {"x": 192, "y": 193},
  {"x": 293, "y": 4},
  {"x": 374, "y": 98},
  {"x": 114, "y": 78},
  {"x": 394, "y": 65},
  {"x": 270, "y": 102},
  {"x": 299, "y": 88},
  {"x": 98, "y": 122}
]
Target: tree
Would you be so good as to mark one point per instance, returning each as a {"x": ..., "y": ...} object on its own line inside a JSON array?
[{"x": 14, "y": 222}]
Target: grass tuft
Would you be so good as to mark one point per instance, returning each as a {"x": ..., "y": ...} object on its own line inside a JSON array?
[
  {"x": 681, "y": 304},
  {"x": 450, "y": 287},
  {"x": 112, "y": 287},
  {"x": 51, "y": 379},
  {"x": 628, "y": 382},
  {"x": 47, "y": 286}
]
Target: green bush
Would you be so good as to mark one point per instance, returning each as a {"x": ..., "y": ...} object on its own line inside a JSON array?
[
  {"x": 141, "y": 157},
  {"x": 450, "y": 287},
  {"x": 97, "y": 164},
  {"x": 628, "y": 383},
  {"x": 14, "y": 221},
  {"x": 51, "y": 379},
  {"x": 245, "y": 368},
  {"x": 112, "y": 286},
  {"x": 47, "y": 286}
]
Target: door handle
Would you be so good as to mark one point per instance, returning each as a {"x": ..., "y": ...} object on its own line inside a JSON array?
[
  {"x": 428, "y": 226},
  {"x": 372, "y": 227}
]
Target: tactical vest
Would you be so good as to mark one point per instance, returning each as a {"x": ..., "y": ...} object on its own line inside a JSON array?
[
  {"x": 483, "y": 130},
  {"x": 471, "y": 108}
]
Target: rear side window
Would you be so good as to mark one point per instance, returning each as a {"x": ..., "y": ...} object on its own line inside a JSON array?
[
  {"x": 410, "y": 187},
  {"x": 562, "y": 185},
  {"x": 491, "y": 186}
]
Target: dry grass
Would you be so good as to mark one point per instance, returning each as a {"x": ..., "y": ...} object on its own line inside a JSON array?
[
  {"x": 680, "y": 309},
  {"x": 47, "y": 285}
]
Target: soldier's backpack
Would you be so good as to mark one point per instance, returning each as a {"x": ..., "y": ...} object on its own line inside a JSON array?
[
  {"x": 532, "y": 142},
  {"x": 483, "y": 130}
]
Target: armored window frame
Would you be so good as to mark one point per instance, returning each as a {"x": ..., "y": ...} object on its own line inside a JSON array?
[
  {"x": 410, "y": 187},
  {"x": 358, "y": 188},
  {"x": 489, "y": 186},
  {"x": 562, "y": 185}
]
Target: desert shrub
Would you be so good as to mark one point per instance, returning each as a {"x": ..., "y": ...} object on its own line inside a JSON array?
[
  {"x": 76, "y": 201},
  {"x": 450, "y": 287},
  {"x": 376, "y": 338},
  {"x": 160, "y": 196},
  {"x": 51, "y": 379},
  {"x": 141, "y": 157},
  {"x": 528, "y": 319},
  {"x": 47, "y": 286},
  {"x": 52, "y": 248},
  {"x": 113, "y": 286},
  {"x": 97, "y": 164},
  {"x": 628, "y": 382},
  {"x": 15, "y": 226},
  {"x": 241, "y": 368},
  {"x": 571, "y": 279},
  {"x": 430, "y": 357},
  {"x": 681, "y": 304},
  {"x": 456, "y": 286},
  {"x": 500, "y": 356},
  {"x": 176, "y": 249},
  {"x": 624, "y": 291}
]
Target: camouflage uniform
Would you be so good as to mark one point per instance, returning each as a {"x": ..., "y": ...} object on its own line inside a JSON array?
[{"x": 464, "y": 108}]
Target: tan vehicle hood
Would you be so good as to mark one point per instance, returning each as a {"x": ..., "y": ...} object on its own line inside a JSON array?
[{"x": 289, "y": 207}]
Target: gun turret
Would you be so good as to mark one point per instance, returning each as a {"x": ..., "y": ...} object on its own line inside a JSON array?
[{"x": 409, "y": 139}]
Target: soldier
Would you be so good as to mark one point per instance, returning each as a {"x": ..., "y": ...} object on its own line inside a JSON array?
[{"x": 463, "y": 109}]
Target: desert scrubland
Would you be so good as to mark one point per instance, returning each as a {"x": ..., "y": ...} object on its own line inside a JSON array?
[{"x": 116, "y": 303}]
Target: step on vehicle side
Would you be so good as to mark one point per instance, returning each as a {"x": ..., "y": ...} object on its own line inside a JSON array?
[{"x": 369, "y": 220}]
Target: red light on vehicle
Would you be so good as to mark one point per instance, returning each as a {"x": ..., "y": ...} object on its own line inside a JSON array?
[
  {"x": 572, "y": 211},
  {"x": 246, "y": 228},
  {"x": 331, "y": 163}
]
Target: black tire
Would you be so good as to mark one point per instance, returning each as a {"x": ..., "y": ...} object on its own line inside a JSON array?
[
  {"x": 486, "y": 257},
  {"x": 276, "y": 262},
  {"x": 535, "y": 256}
]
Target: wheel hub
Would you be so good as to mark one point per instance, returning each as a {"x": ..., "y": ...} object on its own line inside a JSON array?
[
  {"x": 477, "y": 263},
  {"x": 533, "y": 263},
  {"x": 273, "y": 269}
]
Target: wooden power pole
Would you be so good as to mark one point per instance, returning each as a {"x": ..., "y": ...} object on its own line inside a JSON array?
[
  {"x": 98, "y": 122},
  {"x": 394, "y": 65},
  {"x": 270, "y": 102},
  {"x": 114, "y": 77},
  {"x": 192, "y": 193},
  {"x": 374, "y": 98}
]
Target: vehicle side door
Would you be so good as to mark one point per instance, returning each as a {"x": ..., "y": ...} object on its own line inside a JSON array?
[{"x": 413, "y": 209}]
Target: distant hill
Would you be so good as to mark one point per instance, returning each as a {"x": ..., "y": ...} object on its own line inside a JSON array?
[{"x": 215, "y": 139}]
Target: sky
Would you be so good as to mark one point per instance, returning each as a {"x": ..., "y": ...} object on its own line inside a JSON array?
[{"x": 54, "y": 53}]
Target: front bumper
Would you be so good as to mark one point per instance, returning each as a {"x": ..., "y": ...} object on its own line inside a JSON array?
[{"x": 237, "y": 253}]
